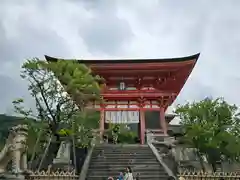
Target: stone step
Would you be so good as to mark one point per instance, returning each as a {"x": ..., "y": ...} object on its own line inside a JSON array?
[
  {"x": 122, "y": 148},
  {"x": 94, "y": 172},
  {"x": 114, "y": 157},
  {"x": 110, "y": 160},
  {"x": 142, "y": 178},
  {"x": 123, "y": 163},
  {"x": 96, "y": 177},
  {"x": 127, "y": 146},
  {"x": 134, "y": 168},
  {"x": 114, "y": 173},
  {"x": 100, "y": 165},
  {"x": 123, "y": 151},
  {"x": 119, "y": 146},
  {"x": 122, "y": 154},
  {"x": 146, "y": 156},
  {"x": 107, "y": 158}
]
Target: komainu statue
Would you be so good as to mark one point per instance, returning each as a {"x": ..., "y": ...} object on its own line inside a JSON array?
[{"x": 15, "y": 150}]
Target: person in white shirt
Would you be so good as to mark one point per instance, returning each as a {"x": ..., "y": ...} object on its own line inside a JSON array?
[{"x": 128, "y": 175}]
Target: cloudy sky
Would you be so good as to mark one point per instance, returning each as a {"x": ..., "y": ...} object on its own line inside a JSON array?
[{"x": 124, "y": 28}]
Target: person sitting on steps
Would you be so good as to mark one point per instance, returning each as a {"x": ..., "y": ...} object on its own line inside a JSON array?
[
  {"x": 101, "y": 154},
  {"x": 121, "y": 176},
  {"x": 128, "y": 175},
  {"x": 137, "y": 176}
]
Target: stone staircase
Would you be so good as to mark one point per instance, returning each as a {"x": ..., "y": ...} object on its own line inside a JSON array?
[{"x": 110, "y": 160}]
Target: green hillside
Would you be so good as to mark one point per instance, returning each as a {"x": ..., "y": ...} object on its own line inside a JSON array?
[{"x": 7, "y": 122}]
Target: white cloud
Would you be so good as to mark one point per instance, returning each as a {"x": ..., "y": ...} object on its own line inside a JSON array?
[{"x": 121, "y": 28}]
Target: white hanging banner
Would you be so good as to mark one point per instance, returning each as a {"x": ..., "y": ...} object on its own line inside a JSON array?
[{"x": 122, "y": 117}]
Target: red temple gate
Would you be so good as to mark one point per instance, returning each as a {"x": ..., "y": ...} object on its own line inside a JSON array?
[{"x": 134, "y": 86}]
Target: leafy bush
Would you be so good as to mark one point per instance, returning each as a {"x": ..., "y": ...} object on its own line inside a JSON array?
[{"x": 127, "y": 137}]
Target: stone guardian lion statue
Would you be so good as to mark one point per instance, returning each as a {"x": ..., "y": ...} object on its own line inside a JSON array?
[{"x": 15, "y": 150}]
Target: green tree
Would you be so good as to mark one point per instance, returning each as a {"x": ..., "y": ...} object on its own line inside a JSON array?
[
  {"x": 84, "y": 123},
  {"x": 58, "y": 105},
  {"x": 212, "y": 127}
]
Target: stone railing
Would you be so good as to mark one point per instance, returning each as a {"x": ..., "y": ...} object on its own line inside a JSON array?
[
  {"x": 178, "y": 158},
  {"x": 187, "y": 175},
  {"x": 150, "y": 135},
  {"x": 156, "y": 136},
  {"x": 86, "y": 164},
  {"x": 150, "y": 140},
  {"x": 47, "y": 175}
]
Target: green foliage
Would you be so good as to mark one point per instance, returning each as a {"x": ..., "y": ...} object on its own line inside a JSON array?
[
  {"x": 60, "y": 107},
  {"x": 52, "y": 101},
  {"x": 127, "y": 137},
  {"x": 116, "y": 128},
  {"x": 82, "y": 126},
  {"x": 124, "y": 135},
  {"x": 212, "y": 126}
]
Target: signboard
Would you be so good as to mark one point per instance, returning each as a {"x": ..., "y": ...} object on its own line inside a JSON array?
[
  {"x": 122, "y": 117},
  {"x": 122, "y": 86}
]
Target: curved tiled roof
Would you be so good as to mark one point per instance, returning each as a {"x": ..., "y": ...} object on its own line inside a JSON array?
[{"x": 119, "y": 61}]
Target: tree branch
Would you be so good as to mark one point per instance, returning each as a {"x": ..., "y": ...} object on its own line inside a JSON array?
[{"x": 44, "y": 99}]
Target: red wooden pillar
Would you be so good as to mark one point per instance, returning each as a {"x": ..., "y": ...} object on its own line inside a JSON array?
[
  {"x": 163, "y": 121},
  {"x": 142, "y": 126},
  {"x": 102, "y": 121}
]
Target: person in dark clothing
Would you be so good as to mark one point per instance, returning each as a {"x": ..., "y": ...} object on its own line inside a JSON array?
[{"x": 137, "y": 176}]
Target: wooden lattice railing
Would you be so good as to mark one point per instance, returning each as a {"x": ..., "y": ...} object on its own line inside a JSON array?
[{"x": 187, "y": 175}]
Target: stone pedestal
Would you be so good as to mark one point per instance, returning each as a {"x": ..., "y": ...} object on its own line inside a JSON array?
[
  {"x": 63, "y": 158},
  {"x": 10, "y": 176},
  {"x": 64, "y": 153}
]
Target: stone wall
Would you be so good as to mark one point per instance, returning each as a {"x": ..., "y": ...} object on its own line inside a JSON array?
[
  {"x": 230, "y": 167},
  {"x": 181, "y": 158}
]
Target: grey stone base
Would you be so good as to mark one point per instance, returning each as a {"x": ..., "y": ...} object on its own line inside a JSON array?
[{"x": 12, "y": 177}]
